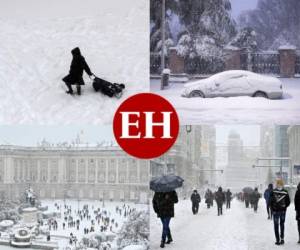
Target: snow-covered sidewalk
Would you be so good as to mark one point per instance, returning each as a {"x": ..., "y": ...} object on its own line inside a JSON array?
[
  {"x": 243, "y": 110},
  {"x": 238, "y": 229}
]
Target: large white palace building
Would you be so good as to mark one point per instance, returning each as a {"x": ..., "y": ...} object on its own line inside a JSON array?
[{"x": 101, "y": 173}]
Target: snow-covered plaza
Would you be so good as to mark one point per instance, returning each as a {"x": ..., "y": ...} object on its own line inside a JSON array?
[
  {"x": 78, "y": 224},
  {"x": 107, "y": 209},
  {"x": 228, "y": 110},
  {"x": 239, "y": 228}
]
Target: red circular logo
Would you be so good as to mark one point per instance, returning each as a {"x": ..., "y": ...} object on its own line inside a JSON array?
[{"x": 146, "y": 125}]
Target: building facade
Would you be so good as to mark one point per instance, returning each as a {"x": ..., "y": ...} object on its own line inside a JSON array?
[
  {"x": 239, "y": 172},
  {"x": 101, "y": 173},
  {"x": 193, "y": 152},
  {"x": 294, "y": 151}
]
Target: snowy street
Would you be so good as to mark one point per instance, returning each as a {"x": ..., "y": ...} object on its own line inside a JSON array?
[
  {"x": 35, "y": 54},
  {"x": 244, "y": 110},
  {"x": 238, "y": 229}
]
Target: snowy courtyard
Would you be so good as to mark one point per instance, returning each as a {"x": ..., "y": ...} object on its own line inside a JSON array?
[
  {"x": 226, "y": 110},
  {"x": 35, "y": 54},
  {"x": 107, "y": 209},
  {"x": 238, "y": 229},
  {"x": 78, "y": 223}
]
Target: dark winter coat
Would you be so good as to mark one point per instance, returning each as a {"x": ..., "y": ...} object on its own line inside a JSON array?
[
  {"x": 279, "y": 200},
  {"x": 209, "y": 197},
  {"x": 228, "y": 195},
  {"x": 254, "y": 197},
  {"x": 78, "y": 65},
  {"x": 297, "y": 200},
  {"x": 220, "y": 197},
  {"x": 163, "y": 204},
  {"x": 267, "y": 195},
  {"x": 297, "y": 203},
  {"x": 195, "y": 198}
]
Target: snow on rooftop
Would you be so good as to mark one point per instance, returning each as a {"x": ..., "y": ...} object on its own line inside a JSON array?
[{"x": 287, "y": 47}]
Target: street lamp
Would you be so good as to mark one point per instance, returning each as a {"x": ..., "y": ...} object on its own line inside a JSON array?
[{"x": 188, "y": 129}]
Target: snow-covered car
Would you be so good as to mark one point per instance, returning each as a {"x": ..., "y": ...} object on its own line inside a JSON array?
[{"x": 235, "y": 83}]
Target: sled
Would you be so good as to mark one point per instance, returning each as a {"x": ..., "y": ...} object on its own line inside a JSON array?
[{"x": 108, "y": 88}]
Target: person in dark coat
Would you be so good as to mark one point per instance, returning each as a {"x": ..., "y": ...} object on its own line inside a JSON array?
[
  {"x": 246, "y": 199},
  {"x": 163, "y": 205},
  {"x": 280, "y": 200},
  {"x": 220, "y": 199},
  {"x": 209, "y": 197},
  {"x": 267, "y": 195},
  {"x": 255, "y": 198},
  {"x": 228, "y": 196},
  {"x": 297, "y": 208},
  {"x": 196, "y": 199},
  {"x": 78, "y": 65}
]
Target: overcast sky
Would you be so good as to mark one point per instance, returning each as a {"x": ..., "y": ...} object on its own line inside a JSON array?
[
  {"x": 239, "y": 6},
  {"x": 30, "y": 135},
  {"x": 250, "y": 134}
]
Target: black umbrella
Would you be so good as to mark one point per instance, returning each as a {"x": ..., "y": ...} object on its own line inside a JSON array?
[
  {"x": 248, "y": 190},
  {"x": 166, "y": 183}
]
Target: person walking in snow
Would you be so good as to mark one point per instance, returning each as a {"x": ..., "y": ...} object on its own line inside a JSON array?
[
  {"x": 297, "y": 208},
  {"x": 163, "y": 205},
  {"x": 196, "y": 199},
  {"x": 78, "y": 65},
  {"x": 246, "y": 199},
  {"x": 220, "y": 199},
  {"x": 267, "y": 195},
  {"x": 228, "y": 196},
  {"x": 209, "y": 197},
  {"x": 280, "y": 201},
  {"x": 255, "y": 198}
]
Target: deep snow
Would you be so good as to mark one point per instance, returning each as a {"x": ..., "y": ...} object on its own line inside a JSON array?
[
  {"x": 63, "y": 239},
  {"x": 36, "y": 40},
  {"x": 243, "y": 110},
  {"x": 238, "y": 229}
]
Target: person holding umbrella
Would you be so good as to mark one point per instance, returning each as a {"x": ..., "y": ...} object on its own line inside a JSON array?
[{"x": 163, "y": 202}]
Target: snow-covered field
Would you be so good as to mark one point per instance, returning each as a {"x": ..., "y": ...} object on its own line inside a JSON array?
[
  {"x": 36, "y": 40},
  {"x": 243, "y": 110},
  {"x": 62, "y": 235},
  {"x": 238, "y": 229}
]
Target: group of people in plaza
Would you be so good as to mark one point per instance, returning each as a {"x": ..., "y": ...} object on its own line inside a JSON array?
[
  {"x": 277, "y": 201},
  {"x": 84, "y": 219}
]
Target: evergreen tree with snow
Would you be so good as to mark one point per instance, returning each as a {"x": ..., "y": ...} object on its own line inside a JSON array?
[
  {"x": 276, "y": 23},
  {"x": 135, "y": 231},
  {"x": 155, "y": 24},
  {"x": 245, "y": 38},
  {"x": 208, "y": 25}
]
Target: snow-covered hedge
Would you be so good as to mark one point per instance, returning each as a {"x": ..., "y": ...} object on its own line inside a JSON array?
[{"x": 135, "y": 231}]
